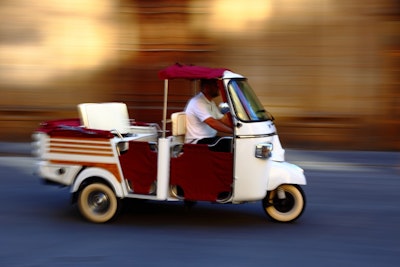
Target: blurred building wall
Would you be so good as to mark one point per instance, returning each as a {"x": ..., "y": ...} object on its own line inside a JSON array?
[{"x": 328, "y": 70}]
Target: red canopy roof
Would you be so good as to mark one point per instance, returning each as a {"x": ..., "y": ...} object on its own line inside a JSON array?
[{"x": 178, "y": 71}]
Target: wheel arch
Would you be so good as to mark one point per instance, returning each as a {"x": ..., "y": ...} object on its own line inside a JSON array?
[
  {"x": 285, "y": 173},
  {"x": 94, "y": 174}
]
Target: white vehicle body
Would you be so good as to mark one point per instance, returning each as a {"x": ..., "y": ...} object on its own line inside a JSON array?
[{"x": 104, "y": 147}]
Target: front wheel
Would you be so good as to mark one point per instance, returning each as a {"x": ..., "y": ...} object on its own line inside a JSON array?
[
  {"x": 97, "y": 203},
  {"x": 284, "y": 204}
]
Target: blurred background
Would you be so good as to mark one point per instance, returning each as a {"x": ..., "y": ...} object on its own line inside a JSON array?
[{"x": 328, "y": 70}]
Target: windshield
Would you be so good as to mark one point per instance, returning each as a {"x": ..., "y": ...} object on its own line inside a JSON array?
[{"x": 245, "y": 102}]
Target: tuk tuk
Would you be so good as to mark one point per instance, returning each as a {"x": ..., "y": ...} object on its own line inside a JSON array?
[{"x": 105, "y": 157}]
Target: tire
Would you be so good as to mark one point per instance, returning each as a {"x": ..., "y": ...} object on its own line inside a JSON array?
[
  {"x": 97, "y": 203},
  {"x": 288, "y": 209}
]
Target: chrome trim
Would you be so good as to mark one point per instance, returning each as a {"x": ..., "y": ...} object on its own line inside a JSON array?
[{"x": 256, "y": 136}]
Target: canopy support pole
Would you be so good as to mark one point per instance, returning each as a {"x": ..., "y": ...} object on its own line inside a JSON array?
[{"x": 164, "y": 121}]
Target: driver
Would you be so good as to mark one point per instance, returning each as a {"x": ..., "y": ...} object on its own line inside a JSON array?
[{"x": 203, "y": 119}]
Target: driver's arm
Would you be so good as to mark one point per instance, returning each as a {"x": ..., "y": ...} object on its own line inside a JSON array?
[
  {"x": 226, "y": 119},
  {"x": 218, "y": 125}
]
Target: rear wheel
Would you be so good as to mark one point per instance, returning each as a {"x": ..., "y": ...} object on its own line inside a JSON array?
[
  {"x": 284, "y": 204},
  {"x": 97, "y": 203}
]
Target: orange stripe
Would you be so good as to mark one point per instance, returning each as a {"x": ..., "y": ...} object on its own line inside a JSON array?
[
  {"x": 71, "y": 143},
  {"x": 86, "y": 153},
  {"x": 64, "y": 139},
  {"x": 73, "y": 146},
  {"x": 105, "y": 148}
]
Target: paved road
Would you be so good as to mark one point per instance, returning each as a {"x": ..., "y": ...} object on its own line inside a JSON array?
[{"x": 352, "y": 219}]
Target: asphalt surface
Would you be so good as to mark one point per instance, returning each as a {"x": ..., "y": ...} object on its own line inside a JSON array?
[{"x": 351, "y": 219}]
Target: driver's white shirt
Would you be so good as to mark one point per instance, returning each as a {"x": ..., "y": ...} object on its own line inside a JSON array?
[{"x": 197, "y": 111}]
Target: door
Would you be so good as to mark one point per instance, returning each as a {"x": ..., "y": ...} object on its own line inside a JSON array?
[
  {"x": 250, "y": 172},
  {"x": 253, "y": 126}
]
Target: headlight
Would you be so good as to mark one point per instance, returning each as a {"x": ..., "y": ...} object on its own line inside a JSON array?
[{"x": 263, "y": 151}]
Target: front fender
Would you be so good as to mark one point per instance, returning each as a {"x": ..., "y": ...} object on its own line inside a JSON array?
[
  {"x": 100, "y": 173},
  {"x": 285, "y": 173}
]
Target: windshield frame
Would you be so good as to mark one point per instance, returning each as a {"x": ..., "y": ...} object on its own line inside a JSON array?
[{"x": 246, "y": 105}]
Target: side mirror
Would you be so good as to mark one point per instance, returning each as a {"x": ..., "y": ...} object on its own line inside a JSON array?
[{"x": 223, "y": 107}]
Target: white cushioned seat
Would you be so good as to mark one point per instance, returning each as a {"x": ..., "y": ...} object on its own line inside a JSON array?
[{"x": 105, "y": 116}]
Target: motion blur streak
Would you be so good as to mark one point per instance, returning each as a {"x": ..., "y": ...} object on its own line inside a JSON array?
[
  {"x": 328, "y": 70},
  {"x": 54, "y": 38},
  {"x": 238, "y": 16}
]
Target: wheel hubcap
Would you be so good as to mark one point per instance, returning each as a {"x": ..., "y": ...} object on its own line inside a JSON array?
[
  {"x": 283, "y": 205},
  {"x": 98, "y": 202}
]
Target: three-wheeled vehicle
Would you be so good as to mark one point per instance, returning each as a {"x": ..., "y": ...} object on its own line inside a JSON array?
[{"x": 105, "y": 157}]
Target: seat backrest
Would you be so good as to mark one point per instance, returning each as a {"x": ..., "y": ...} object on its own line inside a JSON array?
[
  {"x": 178, "y": 120},
  {"x": 105, "y": 116}
]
